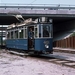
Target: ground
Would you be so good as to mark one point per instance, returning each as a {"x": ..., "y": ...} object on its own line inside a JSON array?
[{"x": 16, "y": 65}]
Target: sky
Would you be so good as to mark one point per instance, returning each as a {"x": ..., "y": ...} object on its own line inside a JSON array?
[{"x": 68, "y": 2}]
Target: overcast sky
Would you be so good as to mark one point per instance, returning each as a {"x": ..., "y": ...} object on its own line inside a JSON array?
[{"x": 69, "y": 2}]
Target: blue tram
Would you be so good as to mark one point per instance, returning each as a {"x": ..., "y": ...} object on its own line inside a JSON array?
[{"x": 30, "y": 36}]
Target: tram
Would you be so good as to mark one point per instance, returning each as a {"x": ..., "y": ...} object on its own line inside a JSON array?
[{"x": 31, "y": 36}]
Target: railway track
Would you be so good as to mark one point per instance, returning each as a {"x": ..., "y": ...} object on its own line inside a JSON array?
[{"x": 52, "y": 59}]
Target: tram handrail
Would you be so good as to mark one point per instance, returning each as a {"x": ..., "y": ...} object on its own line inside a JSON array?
[{"x": 39, "y": 6}]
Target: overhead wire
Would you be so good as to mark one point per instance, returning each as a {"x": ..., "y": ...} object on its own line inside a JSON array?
[{"x": 32, "y": 1}]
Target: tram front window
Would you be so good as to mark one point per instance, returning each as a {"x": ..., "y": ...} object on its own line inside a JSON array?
[{"x": 46, "y": 30}]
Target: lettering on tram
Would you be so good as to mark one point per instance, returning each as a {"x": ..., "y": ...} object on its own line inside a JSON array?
[{"x": 31, "y": 35}]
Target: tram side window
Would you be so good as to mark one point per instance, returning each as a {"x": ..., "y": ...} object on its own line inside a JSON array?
[
  {"x": 51, "y": 32},
  {"x": 11, "y": 34},
  {"x": 21, "y": 33},
  {"x": 16, "y": 34},
  {"x": 36, "y": 33},
  {"x": 8, "y": 35},
  {"x": 25, "y": 33},
  {"x": 39, "y": 30},
  {"x": 46, "y": 30}
]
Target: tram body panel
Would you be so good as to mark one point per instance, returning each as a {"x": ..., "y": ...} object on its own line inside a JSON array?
[
  {"x": 10, "y": 43},
  {"x": 43, "y": 44},
  {"x": 22, "y": 44},
  {"x": 17, "y": 44}
]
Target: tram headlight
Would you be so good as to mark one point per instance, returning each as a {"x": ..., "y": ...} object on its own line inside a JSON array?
[{"x": 47, "y": 46}]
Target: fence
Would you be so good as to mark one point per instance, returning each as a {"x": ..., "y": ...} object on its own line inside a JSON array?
[{"x": 65, "y": 43}]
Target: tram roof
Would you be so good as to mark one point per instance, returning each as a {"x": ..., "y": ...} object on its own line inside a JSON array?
[
  {"x": 25, "y": 22},
  {"x": 28, "y": 21}
]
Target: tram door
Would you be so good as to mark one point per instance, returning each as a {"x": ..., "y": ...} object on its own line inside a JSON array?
[{"x": 31, "y": 38}]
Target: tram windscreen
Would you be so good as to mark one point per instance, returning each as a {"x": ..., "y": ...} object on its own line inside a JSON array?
[{"x": 47, "y": 30}]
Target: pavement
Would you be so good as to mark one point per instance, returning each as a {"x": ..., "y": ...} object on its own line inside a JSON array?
[
  {"x": 64, "y": 50},
  {"x": 16, "y": 65}
]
